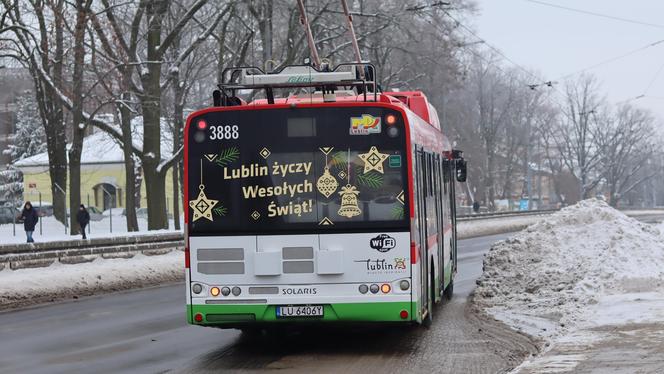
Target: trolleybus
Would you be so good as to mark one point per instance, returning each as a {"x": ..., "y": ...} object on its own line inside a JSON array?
[{"x": 334, "y": 203}]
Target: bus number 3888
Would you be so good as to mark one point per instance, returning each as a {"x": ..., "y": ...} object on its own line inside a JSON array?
[{"x": 224, "y": 132}]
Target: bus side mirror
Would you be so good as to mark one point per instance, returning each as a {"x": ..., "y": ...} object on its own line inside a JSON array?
[{"x": 461, "y": 170}]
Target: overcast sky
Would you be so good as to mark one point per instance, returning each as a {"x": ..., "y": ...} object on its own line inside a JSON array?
[{"x": 557, "y": 42}]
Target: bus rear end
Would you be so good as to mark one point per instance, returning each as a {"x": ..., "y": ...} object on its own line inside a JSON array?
[{"x": 298, "y": 214}]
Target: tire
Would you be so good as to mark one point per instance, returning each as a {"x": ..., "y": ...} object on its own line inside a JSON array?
[{"x": 449, "y": 291}]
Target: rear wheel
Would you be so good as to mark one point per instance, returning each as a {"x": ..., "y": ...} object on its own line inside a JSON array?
[
  {"x": 449, "y": 291},
  {"x": 431, "y": 298}
]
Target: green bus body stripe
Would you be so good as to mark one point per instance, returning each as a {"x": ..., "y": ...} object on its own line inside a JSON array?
[{"x": 342, "y": 312}]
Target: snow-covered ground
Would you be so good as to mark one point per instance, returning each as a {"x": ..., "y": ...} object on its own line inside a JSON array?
[
  {"x": 28, "y": 286},
  {"x": 53, "y": 230},
  {"x": 589, "y": 282}
]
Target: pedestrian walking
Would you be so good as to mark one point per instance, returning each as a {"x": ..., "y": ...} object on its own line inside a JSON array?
[
  {"x": 83, "y": 218},
  {"x": 30, "y": 219}
]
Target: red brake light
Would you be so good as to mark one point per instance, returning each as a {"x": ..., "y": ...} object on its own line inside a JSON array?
[
  {"x": 403, "y": 314},
  {"x": 202, "y": 125},
  {"x": 198, "y": 317}
]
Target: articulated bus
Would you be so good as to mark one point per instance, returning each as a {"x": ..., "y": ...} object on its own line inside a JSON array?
[{"x": 333, "y": 204}]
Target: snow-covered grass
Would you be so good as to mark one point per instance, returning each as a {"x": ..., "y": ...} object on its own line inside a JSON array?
[
  {"x": 27, "y": 286},
  {"x": 53, "y": 230},
  {"x": 574, "y": 279}
]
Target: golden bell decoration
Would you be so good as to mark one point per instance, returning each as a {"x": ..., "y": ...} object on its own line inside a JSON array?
[
  {"x": 326, "y": 184},
  {"x": 349, "y": 207}
]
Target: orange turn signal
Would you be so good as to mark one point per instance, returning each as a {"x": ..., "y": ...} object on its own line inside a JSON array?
[
  {"x": 391, "y": 119},
  {"x": 214, "y": 291},
  {"x": 386, "y": 288}
]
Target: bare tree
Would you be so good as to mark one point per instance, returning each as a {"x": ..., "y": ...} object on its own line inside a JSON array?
[
  {"x": 575, "y": 134},
  {"x": 626, "y": 144},
  {"x": 42, "y": 51}
]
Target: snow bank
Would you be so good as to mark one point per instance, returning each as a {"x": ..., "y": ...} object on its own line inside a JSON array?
[
  {"x": 573, "y": 274},
  {"x": 30, "y": 286}
]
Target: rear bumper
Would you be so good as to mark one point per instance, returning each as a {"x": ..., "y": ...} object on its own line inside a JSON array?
[{"x": 233, "y": 316}]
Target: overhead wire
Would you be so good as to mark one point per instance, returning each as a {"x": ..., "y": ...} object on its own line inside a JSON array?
[
  {"x": 613, "y": 59},
  {"x": 596, "y": 14}
]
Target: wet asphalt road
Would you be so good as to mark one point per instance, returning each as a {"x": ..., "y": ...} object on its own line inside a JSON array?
[{"x": 145, "y": 331}]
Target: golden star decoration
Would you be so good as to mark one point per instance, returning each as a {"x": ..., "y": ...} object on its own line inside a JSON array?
[
  {"x": 202, "y": 206},
  {"x": 373, "y": 160}
]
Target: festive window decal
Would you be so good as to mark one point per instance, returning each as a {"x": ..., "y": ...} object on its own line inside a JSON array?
[
  {"x": 373, "y": 160},
  {"x": 349, "y": 204},
  {"x": 327, "y": 184},
  {"x": 343, "y": 174},
  {"x": 349, "y": 207},
  {"x": 227, "y": 156},
  {"x": 325, "y": 222},
  {"x": 265, "y": 153},
  {"x": 326, "y": 150},
  {"x": 202, "y": 206},
  {"x": 397, "y": 212},
  {"x": 255, "y": 215},
  {"x": 372, "y": 179},
  {"x": 220, "y": 210},
  {"x": 210, "y": 156},
  {"x": 400, "y": 197}
]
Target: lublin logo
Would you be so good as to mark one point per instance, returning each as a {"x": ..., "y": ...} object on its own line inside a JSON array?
[
  {"x": 365, "y": 125},
  {"x": 382, "y": 266},
  {"x": 383, "y": 243}
]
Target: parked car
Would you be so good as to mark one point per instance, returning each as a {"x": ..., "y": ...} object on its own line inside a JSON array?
[
  {"x": 8, "y": 215},
  {"x": 45, "y": 210},
  {"x": 95, "y": 214},
  {"x": 143, "y": 213}
]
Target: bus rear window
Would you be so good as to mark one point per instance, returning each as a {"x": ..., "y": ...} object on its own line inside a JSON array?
[{"x": 297, "y": 170}]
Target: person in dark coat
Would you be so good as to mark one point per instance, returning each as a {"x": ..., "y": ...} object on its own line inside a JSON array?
[
  {"x": 83, "y": 218},
  {"x": 30, "y": 219}
]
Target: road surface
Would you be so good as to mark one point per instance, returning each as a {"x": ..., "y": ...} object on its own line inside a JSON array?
[{"x": 145, "y": 331}]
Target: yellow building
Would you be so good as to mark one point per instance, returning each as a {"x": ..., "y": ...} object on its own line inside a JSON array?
[{"x": 103, "y": 182}]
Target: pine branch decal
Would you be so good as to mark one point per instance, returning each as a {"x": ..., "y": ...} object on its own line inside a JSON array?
[
  {"x": 371, "y": 179},
  {"x": 226, "y": 156},
  {"x": 397, "y": 212},
  {"x": 339, "y": 161},
  {"x": 220, "y": 210}
]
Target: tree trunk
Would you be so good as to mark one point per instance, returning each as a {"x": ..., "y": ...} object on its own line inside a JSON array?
[
  {"x": 78, "y": 126},
  {"x": 56, "y": 139},
  {"x": 156, "y": 196},
  {"x": 130, "y": 175},
  {"x": 151, "y": 105}
]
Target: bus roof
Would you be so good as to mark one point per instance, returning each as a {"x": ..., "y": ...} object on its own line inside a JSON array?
[{"x": 415, "y": 101}]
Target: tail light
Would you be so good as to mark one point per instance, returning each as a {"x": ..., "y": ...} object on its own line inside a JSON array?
[
  {"x": 413, "y": 253},
  {"x": 198, "y": 317},
  {"x": 403, "y": 314},
  {"x": 186, "y": 258}
]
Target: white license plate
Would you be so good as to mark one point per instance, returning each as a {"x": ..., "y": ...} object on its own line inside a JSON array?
[{"x": 300, "y": 311}]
